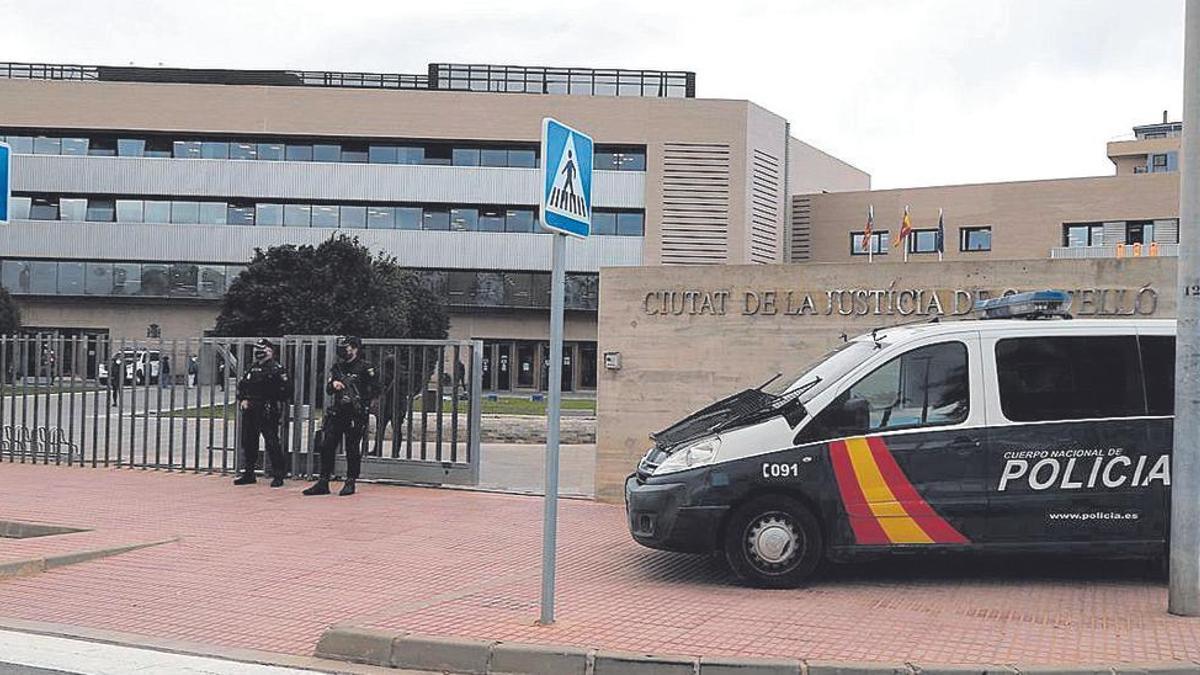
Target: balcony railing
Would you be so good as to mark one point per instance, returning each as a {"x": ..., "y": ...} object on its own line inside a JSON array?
[{"x": 1119, "y": 251}]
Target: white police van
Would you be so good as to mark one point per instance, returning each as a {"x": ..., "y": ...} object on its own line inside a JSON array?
[{"x": 1007, "y": 434}]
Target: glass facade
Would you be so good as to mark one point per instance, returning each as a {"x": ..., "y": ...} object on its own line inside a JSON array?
[
  {"x": 460, "y": 288},
  {"x": 625, "y": 223},
  {"x": 563, "y": 81},
  {"x": 454, "y": 153}
]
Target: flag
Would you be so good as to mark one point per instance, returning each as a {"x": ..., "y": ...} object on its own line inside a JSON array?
[
  {"x": 866, "y": 237},
  {"x": 905, "y": 229},
  {"x": 941, "y": 236}
]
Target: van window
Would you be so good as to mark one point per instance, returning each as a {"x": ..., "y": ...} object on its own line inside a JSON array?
[
  {"x": 925, "y": 387},
  {"x": 1069, "y": 378},
  {"x": 1158, "y": 365}
]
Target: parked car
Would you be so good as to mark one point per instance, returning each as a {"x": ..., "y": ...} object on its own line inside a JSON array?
[{"x": 138, "y": 364}]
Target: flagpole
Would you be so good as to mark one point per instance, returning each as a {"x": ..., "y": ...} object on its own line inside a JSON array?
[{"x": 941, "y": 236}]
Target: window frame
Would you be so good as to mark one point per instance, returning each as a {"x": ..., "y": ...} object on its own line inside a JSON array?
[
  {"x": 976, "y": 401},
  {"x": 915, "y": 235},
  {"x": 881, "y": 237},
  {"x": 996, "y": 409},
  {"x": 964, "y": 237}
]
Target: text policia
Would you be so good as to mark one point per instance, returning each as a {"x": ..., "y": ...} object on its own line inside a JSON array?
[{"x": 1108, "y": 468}]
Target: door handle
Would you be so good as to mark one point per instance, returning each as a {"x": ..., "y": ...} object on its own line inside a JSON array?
[{"x": 966, "y": 443}]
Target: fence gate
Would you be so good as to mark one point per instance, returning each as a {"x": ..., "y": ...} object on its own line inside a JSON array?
[{"x": 172, "y": 404}]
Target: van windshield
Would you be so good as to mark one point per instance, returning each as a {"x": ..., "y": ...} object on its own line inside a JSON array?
[{"x": 829, "y": 368}]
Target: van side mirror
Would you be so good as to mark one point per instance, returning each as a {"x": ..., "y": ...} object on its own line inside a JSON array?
[{"x": 853, "y": 416}]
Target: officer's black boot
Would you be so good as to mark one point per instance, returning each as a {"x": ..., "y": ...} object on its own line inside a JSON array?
[
  {"x": 277, "y": 481},
  {"x": 348, "y": 488},
  {"x": 247, "y": 478},
  {"x": 320, "y": 487}
]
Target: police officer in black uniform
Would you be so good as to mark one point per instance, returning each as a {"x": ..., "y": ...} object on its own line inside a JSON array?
[
  {"x": 352, "y": 384},
  {"x": 262, "y": 393}
]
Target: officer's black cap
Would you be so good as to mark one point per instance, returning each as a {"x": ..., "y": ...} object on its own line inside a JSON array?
[
  {"x": 351, "y": 341},
  {"x": 264, "y": 342}
]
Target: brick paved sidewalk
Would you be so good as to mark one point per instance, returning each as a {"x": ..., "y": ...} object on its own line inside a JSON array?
[{"x": 268, "y": 569}]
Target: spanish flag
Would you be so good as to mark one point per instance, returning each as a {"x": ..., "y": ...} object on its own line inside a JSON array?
[{"x": 905, "y": 229}]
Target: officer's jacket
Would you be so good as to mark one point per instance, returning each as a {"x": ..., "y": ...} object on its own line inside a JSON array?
[
  {"x": 264, "y": 383},
  {"x": 362, "y": 385}
]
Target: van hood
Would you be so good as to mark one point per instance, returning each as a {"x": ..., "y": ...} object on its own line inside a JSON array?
[{"x": 741, "y": 409}]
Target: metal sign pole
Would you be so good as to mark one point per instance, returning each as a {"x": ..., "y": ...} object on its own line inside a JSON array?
[
  {"x": 1184, "y": 589},
  {"x": 550, "y": 511}
]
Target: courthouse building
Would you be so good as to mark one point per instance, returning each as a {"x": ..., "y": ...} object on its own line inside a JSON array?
[
  {"x": 140, "y": 193},
  {"x": 1134, "y": 212}
]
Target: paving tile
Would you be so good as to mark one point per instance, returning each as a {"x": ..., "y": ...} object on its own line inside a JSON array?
[{"x": 269, "y": 569}]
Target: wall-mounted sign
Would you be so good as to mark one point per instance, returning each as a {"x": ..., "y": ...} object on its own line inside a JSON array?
[{"x": 890, "y": 301}]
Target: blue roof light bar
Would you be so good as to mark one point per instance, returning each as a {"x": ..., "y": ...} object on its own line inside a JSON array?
[{"x": 1028, "y": 305}]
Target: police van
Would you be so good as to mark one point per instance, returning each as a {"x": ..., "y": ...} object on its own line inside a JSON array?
[{"x": 1001, "y": 434}]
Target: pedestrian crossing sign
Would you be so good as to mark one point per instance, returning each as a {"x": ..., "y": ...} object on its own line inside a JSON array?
[
  {"x": 566, "y": 179},
  {"x": 6, "y": 178}
]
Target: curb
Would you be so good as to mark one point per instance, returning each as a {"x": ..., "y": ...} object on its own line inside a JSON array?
[
  {"x": 31, "y": 566},
  {"x": 174, "y": 646},
  {"x": 468, "y": 656}
]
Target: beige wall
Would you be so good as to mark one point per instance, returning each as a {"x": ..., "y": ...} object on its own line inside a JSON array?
[
  {"x": 815, "y": 171},
  {"x": 1026, "y": 217},
  {"x": 1128, "y": 154},
  {"x": 122, "y": 319},
  {"x": 178, "y": 320},
  {"x": 673, "y": 364}
]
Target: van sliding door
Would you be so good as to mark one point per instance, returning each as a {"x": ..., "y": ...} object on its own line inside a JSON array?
[{"x": 1068, "y": 452}]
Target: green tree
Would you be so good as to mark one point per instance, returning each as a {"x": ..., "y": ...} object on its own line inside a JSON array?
[
  {"x": 10, "y": 314},
  {"x": 336, "y": 288}
]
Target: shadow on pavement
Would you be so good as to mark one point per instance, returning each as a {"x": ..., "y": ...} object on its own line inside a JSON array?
[{"x": 929, "y": 567}]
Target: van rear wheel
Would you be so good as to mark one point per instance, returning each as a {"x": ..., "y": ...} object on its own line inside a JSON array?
[{"x": 773, "y": 542}]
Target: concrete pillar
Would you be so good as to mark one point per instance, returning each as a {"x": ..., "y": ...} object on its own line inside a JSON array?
[{"x": 1184, "y": 598}]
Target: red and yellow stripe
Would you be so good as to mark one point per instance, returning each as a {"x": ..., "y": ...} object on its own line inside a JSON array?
[{"x": 882, "y": 505}]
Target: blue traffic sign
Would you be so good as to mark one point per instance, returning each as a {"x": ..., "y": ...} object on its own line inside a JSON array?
[
  {"x": 5, "y": 181},
  {"x": 566, "y": 179}
]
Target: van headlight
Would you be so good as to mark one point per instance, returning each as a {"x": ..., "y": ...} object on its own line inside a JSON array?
[{"x": 691, "y": 456}]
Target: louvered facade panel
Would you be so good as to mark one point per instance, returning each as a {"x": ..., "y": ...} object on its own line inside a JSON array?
[
  {"x": 695, "y": 220},
  {"x": 766, "y": 184},
  {"x": 801, "y": 228}
]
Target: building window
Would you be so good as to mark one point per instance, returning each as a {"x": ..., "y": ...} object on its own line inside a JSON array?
[
  {"x": 324, "y": 216},
  {"x": 1158, "y": 163},
  {"x": 975, "y": 239},
  {"x": 243, "y": 151},
  {"x": 72, "y": 209},
  {"x": 630, "y": 224},
  {"x": 101, "y": 210},
  {"x": 157, "y": 211},
  {"x": 268, "y": 214},
  {"x": 74, "y": 146},
  {"x": 1083, "y": 235},
  {"x": 1139, "y": 232},
  {"x": 923, "y": 241},
  {"x": 879, "y": 243}
]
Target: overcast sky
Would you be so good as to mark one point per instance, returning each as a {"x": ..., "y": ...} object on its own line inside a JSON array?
[{"x": 915, "y": 92}]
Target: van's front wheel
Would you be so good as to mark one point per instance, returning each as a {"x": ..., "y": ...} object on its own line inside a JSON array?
[{"x": 773, "y": 542}]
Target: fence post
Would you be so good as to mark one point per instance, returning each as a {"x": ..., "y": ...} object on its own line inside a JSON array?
[{"x": 474, "y": 448}]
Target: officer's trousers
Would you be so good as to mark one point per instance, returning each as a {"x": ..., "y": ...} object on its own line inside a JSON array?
[
  {"x": 260, "y": 419},
  {"x": 336, "y": 428}
]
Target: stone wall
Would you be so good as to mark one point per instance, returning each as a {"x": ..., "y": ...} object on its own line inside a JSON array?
[{"x": 687, "y": 335}]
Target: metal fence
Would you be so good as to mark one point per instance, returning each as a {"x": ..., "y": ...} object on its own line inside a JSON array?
[{"x": 172, "y": 404}]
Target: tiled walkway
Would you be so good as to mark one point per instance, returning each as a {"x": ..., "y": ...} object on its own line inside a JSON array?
[{"x": 269, "y": 569}]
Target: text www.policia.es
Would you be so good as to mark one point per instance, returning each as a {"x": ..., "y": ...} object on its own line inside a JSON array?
[{"x": 1094, "y": 515}]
